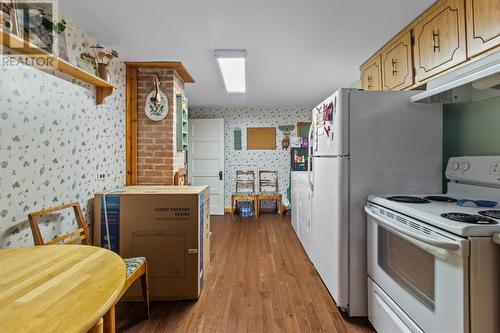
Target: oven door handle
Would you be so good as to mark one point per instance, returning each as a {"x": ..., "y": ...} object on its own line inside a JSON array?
[{"x": 411, "y": 236}]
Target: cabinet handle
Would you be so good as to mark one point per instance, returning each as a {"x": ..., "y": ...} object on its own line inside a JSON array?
[
  {"x": 435, "y": 41},
  {"x": 370, "y": 78},
  {"x": 394, "y": 70}
]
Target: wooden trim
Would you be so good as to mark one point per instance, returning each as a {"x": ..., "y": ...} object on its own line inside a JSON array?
[
  {"x": 299, "y": 124},
  {"x": 131, "y": 125},
  {"x": 177, "y": 65}
]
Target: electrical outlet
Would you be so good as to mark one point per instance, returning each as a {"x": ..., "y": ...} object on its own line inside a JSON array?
[{"x": 101, "y": 176}]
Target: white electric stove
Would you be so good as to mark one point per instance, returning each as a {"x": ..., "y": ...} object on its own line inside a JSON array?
[{"x": 433, "y": 265}]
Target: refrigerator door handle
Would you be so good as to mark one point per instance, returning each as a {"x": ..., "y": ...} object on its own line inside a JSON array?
[
  {"x": 311, "y": 185},
  {"x": 312, "y": 137},
  {"x": 309, "y": 156}
]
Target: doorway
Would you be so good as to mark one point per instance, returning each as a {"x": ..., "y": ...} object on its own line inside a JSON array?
[{"x": 206, "y": 159}]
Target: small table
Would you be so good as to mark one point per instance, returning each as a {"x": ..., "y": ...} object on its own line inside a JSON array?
[
  {"x": 58, "y": 288},
  {"x": 250, "y": 196}
]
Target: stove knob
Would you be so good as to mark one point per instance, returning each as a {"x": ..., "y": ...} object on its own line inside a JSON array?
[
  {"x": 465, "y": 165},
  {"x": 455, "y": 165}
]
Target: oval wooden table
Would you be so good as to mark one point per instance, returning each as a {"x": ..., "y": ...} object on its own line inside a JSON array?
[{"x": 58, "y": 288}]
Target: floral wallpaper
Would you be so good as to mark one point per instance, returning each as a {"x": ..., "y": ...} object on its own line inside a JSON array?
[
  {"x": 54, "y": 140},
  {"x": 242, "y": 118}
]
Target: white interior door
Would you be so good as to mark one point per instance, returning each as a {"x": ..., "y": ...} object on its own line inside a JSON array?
[{"x": 206, "y": 159}]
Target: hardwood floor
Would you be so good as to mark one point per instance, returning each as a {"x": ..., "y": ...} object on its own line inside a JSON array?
[{"x": 259, "y": 280}]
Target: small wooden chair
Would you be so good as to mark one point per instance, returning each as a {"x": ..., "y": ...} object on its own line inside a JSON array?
[
  {"x": 269, "y": 189},
  {"x": 180, "y": 177},
  {"x": 245, "y": 180},
  {"x": 245, "y": 190},
  {"x": 136, "y": 267}
]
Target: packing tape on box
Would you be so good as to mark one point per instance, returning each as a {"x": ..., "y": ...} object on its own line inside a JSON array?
[{"x": 106, "y": 219}]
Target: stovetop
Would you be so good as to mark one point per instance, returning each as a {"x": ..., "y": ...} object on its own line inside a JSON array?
[
  {"x": 443, "y": 212},
  {"x": 470, "y": 178}
]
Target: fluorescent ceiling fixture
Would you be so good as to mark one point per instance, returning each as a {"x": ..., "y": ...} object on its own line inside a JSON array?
[{"x": 232, "y": 68}]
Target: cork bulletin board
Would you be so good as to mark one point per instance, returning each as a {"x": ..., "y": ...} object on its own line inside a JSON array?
[{"x": 261, "y": 138}]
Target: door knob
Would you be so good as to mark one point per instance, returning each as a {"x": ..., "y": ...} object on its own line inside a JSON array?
[{"x": 220, "y": 175}]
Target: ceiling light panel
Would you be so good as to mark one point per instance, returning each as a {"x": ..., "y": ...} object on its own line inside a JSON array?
[{"x": 232, "y": 67}]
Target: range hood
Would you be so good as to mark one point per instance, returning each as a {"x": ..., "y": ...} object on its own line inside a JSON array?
[{"x": 473, "y": 82}]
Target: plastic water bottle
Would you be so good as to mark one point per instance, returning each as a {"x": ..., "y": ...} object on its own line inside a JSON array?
[{"x": 246, "y": 210}]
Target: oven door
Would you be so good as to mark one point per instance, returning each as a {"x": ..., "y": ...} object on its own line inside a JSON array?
[{"x": 423, "y": 270}]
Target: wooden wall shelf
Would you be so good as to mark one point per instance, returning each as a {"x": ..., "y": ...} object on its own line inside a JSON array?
[
  {"x": 177, "y": 65},
  {"x": 19, "y": 45}
]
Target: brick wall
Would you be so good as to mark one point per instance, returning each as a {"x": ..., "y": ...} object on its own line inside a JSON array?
[{"x": 157, "y": 156}]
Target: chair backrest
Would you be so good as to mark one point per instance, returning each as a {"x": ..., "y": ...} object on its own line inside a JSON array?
[
  {"x": 180, "y": 177},
  {"x": 245, "y": 179},
  {"x": 80, "y": 234},
  {"x": 268, "y": 181}
]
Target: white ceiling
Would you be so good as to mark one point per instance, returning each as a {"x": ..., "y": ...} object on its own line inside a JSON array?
[{"x": 299, "y": 51}]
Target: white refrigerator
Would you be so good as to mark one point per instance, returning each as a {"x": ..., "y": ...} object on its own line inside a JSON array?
[{"x": 363, "y": 143}]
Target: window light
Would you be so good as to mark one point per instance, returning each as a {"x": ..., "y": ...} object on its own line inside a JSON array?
[{"x": 232, "y": 67}]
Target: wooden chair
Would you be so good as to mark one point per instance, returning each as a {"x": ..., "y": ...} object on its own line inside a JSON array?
[
  {"x": 245, "y": 179},
  {"x": 245, "y": 190},
  {"x": 136, "y": 267},
  {"x": 180, "y": 177},
  {"x": 269, "y": 188}
]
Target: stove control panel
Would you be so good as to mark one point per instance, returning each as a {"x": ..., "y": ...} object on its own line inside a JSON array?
[{"x": 475, "y": 169}]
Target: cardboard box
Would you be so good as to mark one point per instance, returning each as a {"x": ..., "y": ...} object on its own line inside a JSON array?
[{"x": 169, "y": 225}]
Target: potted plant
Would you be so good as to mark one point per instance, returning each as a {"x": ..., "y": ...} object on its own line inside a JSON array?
[{"x": 102, "y": 60}]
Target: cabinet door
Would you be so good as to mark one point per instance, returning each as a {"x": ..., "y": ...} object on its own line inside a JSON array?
[
  {"x": 397, "y": 64},
  {"x": 440, "y": 39},
  {"x": 371, "y": 74},
  {"x": 483, "y": 25}
]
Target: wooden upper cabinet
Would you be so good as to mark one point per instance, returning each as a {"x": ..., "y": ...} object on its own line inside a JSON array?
[
  {"x": 440, "y": 39},
  {"x": 483, "y": 25},
  {"x": 371, "y": 74},
  {"x": 397, "y": 64}
]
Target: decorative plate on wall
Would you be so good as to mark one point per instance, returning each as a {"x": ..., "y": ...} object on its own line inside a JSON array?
[{"x": 156, "y": 110}]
